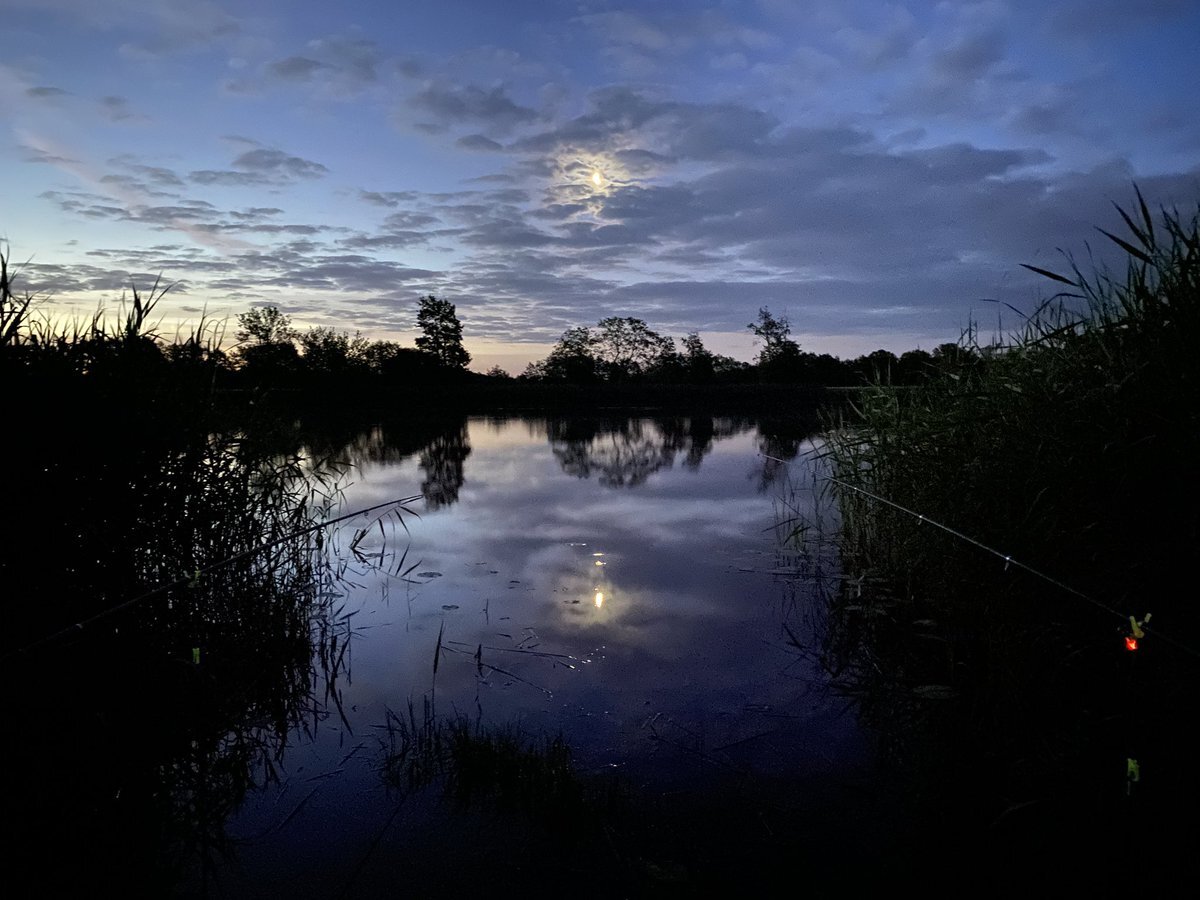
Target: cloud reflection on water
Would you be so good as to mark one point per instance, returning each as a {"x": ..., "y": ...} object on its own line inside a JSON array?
[{"x": 688, "y": 620}]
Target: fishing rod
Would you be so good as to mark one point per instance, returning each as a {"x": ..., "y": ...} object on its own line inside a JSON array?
[
  {"x": 194, "y": 578},
  {"x": 1138, "y": 627}
]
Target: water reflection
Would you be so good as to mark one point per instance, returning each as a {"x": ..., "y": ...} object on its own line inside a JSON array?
[
  {"x": 641, "y": 623},
  {"x": 156, "y": 714},
  {"x": 624, "y": 452},
  {"x": 442, "y": 462}
]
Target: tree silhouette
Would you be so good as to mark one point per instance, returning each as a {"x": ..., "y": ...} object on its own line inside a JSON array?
[
  {"x": 268, "y": 351},
  {"x": 780, "y": 358},
  {"x": 627, "y": 347},
  {"x": 333, "y": 353},
  {"x": 265, "y": 325},
  {"x": 697, "y": 359},
  {"x": 773, "y": 332},
  {"x": 570, "y": 360},
  {"x": 442, "y": 332}
]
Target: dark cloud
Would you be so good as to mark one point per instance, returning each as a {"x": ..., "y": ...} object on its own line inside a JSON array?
[
  {"x": 54, "y": 280},
  {"x": 261, "y": 166},
  {"x": 159, "y": 176},
  {"x": 37, "y": 155},
  {"x": 1047, "y": 118},
  {"x": 255, "y": 213},
  {"x": 497, "y": 178},
  {"x": 558, "y": 211},
  {"x": 265, "y": 228},
  {"x": 116, "y": 109},
  {"x": 227, "y": 179},
  {"x": 69, "y": 201},
  {"x": 241, "y": 87},
  {"x": 337, "y": 66},
  {"x": 971, "y": 56},
  {"x": 640, "y": 162},
  {"x": 389, "y": 199},
  {"x": 278, "y": 163},
  {"x": 173, "y": 27},
  {"x": 295, "y": 68},
  {"x": 42, "y": 93},
  {"x": 478, "y": 142},
  {"x": 391, "y": 240},
  {"x": 409, "y": 67},
  {"x": 354, "y": 59},
  {"x": 340, "y": 272},
  {"x": 506, "y": 234},
  {"x": 403, "y": 220},
  {"x": 491, "y": 109},
  {"x": 133, "y": 183},
  {"x": 685, "y": 130}
]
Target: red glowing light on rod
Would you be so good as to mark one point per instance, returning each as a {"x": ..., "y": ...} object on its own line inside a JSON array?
[{"x": 1131, "y": 643}]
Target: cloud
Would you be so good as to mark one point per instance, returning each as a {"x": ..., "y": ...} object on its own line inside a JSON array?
[
  {"x": 130, "y": 184},
  {"x": 621, "y": 116},
  {"x": 116, "y": 109},
  {"x": 167, "y": 27},
  {"x": 38, "y": 155},
  {"x": 295, "y": 68},
  {"x": 255, "y": 213},
  {"x": 156, "y": 175},
  {"x": 478, "y": 142},
  {"x": 278, "y": 163},
  {"x": 42, "y": 93},
  {"x": 971, "y": 56},
  {"x": 354, "y": 59},
  {"x": 261, "y": 166},
  {"x": 640, "y": 44},
  {"x": 336, "y": 66},
  {"x": 389, "y": 199},
  {"x": 490, "y": 109}
]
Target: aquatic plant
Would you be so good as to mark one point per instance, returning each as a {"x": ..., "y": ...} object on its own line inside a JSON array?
[
  {"x": 1067, "y": 448},
  {"x": 175, "y": 617},
  {"x": 477, "y": 764}
]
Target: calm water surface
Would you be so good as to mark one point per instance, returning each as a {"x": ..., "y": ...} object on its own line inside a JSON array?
[{"x": 618, "y": 582}]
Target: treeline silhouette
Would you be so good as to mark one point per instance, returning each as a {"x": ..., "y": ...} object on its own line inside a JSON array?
[
  {"x": 619, "y": 363},
  {"x": 619, "y": 358}
]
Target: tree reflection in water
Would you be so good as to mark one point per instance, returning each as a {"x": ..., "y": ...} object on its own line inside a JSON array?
[
  {"x": 780, "y": 441},
  {"x": 440, "y": 443},
  {"x": 624, "y": 452},
  {"x": 442, "y": 464}
]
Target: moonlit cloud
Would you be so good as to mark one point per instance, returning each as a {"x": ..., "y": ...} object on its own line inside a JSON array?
[{"x": 877, "y": 171}]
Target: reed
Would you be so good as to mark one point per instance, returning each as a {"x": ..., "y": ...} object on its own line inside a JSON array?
[
  {"x": 1067, "y": 446},
  {"x": 141, "y": 732},
  {"x": 483, "y": 766}
]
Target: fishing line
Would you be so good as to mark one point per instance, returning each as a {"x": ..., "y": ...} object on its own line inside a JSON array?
[
  {"x": 1008, "y": 561},
  {"x": 195, "y": 576}
]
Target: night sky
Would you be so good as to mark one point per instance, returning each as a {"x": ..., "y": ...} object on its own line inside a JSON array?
[{"x": 875, "y": 171}]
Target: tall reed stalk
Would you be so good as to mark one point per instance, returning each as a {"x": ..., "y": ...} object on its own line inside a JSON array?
[{"x": 1069, "y": 446}]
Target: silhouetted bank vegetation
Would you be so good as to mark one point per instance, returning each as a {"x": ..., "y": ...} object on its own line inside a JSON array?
[
  {"x": 617, "y": 362},
  {"x": 1013, "y": 700}
]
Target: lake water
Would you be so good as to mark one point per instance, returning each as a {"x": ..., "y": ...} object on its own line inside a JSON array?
[
  {"x": 616, "y": 581},
  {"x": 613, "y": 581}
]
